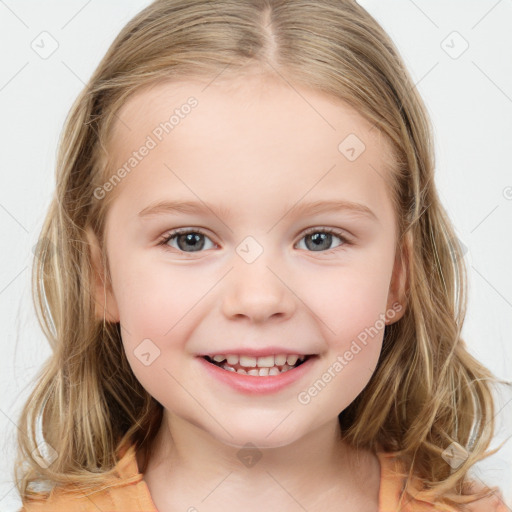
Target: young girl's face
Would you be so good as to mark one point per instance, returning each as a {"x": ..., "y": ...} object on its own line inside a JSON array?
[{"x": 249, "y": 158}]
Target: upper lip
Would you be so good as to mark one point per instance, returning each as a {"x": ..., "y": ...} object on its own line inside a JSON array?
[{"x": 257, "y": 352}]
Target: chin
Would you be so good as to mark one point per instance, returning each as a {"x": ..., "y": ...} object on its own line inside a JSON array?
[{"x": 260, "y": 438}]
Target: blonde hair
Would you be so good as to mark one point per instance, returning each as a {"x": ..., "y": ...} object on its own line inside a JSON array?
[{"x": 427, "y": 391}]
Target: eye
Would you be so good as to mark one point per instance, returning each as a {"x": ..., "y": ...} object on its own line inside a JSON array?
[
  {"x": 324, "y": 241},
  {"x": 191, "y": 238}
]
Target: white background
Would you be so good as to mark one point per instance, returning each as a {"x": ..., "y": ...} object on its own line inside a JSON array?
[{"x": 469, "y": 99}]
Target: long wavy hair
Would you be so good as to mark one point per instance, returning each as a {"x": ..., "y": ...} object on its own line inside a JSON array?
[{"x": 427, "y": 391}]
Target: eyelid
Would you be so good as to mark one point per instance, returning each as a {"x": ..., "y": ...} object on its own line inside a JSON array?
[
  {"x": 346, "y": 238},
  {"x": 167, "y": 236}
]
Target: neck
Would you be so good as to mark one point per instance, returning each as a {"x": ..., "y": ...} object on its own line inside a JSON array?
[{"x": 187, "y": 461}]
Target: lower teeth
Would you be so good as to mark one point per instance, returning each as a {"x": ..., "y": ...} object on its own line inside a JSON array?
[{"x": 259, "y": 372}]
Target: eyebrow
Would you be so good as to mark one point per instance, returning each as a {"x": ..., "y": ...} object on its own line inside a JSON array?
[{"x": 175, "y": 207}]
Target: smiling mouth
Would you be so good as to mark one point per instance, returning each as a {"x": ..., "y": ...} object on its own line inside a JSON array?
[{"x": 257, "y": 371}]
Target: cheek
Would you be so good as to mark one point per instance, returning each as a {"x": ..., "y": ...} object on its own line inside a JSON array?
[
  {"x": 349, "y": 302},
  {"x": 153, "y": 299},
  {"x": 153, "y": 304},
  {"x": 352, "y": 318}
]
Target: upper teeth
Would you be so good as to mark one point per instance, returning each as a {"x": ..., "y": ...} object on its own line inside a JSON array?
[{"x": 261, "y": 362}]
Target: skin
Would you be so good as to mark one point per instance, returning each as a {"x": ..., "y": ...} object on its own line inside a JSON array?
[{"x": 250, "y": 143}]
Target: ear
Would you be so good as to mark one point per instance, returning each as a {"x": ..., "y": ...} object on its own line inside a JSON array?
[
  {"x": 399, "y": 282},
  {"x": 104, "y": 299}
]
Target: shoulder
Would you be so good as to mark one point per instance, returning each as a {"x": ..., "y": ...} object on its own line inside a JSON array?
[
  {"x": 55, "y": 502},
  {"x": 393, "y": 483},
  {"x": 125, "y": 493},
  {"x": 68, "y": 501},
  {"x": 124, "y": 497},
  {"x": 493, "y": 503}
]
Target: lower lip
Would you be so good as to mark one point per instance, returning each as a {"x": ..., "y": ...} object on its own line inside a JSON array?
[{"x": 255, "y": 385}]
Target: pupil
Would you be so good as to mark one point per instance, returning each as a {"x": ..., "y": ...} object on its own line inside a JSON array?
[
  {"x": 191, "y": 238},
  {"x": 318, "y": 239}
]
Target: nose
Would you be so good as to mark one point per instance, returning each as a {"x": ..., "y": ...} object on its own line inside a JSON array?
[{"x": 257, "y": 291}]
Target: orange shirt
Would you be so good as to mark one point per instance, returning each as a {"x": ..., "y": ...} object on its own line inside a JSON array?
[{"x": 131, "y": 494}]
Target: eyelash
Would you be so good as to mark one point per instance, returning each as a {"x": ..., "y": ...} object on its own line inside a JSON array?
[{"x": 183, "y": 231}]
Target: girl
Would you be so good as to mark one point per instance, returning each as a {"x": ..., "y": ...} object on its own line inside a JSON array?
[{"x": 257, "y": 296}]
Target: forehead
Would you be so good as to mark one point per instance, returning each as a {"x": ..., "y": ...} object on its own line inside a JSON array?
[
  {"x": 253, "y": 133},
  {"x": 244, "y": 101}
]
